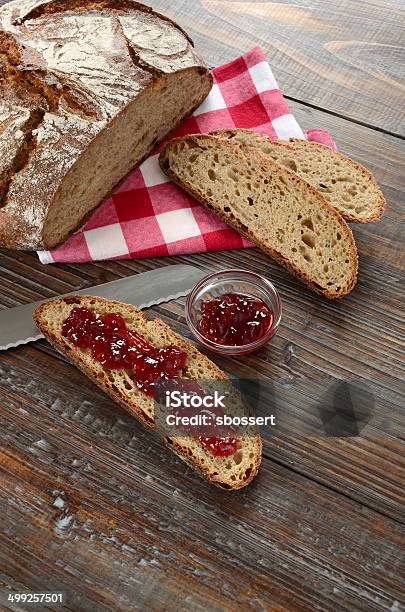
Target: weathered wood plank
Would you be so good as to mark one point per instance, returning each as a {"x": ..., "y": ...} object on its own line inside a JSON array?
[
  {"x": 345, "y": 57},
  {"x": 80, "y": 476}
]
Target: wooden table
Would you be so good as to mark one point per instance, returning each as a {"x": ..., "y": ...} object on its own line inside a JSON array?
[{"x": 320, "y": 528}]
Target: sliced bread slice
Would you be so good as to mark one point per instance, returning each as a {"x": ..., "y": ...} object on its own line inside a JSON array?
[
  {"x": 231, "y": 472},
  {"x": 273, "y": 206},
  {"x": 349, "y": 187}
]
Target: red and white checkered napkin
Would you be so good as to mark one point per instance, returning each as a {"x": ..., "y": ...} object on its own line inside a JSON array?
[{"x": 148, "y": 216}]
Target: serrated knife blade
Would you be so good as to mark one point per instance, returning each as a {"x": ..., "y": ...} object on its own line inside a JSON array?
[{"x": 141, "y": 290}]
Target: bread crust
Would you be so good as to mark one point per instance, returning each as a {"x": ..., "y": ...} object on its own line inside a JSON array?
[
  {"x": 48, "y": 7},
  {"x": 292, "y": 143},
  {"x": 76, "y": 108},
  {"x": 231, "y": 220},
  {"x": 76, "y": 357},
  {"x": 14, "y": 230}
]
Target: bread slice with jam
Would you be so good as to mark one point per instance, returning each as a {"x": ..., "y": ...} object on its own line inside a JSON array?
[{"x": 54, "y": 319}]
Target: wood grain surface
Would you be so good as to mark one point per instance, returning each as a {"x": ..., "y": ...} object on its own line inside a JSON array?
[
  {"x": 95, "y": 506},
  {"x": 347, "y": 57}
]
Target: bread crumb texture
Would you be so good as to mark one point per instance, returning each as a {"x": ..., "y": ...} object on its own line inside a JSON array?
[
  {"x": 271, "y": 205},
  {"x": 349, "y": 187},
  {"x": 231, "y": 472}
]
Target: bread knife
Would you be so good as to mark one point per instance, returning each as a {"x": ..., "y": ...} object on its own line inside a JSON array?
[{"x": 141, "y": 290}]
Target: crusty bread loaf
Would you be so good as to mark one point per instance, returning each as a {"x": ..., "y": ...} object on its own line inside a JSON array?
[
  {"x": 87, "y": 88},
  {"x": 271, "y": 205},
  {"x": 232, "y": 472},
  {"x": 350, "y": 188}
]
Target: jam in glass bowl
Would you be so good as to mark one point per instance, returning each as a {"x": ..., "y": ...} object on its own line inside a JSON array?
[{"x": 233, "y": 312}]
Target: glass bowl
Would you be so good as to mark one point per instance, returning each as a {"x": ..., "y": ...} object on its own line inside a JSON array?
[{"x": 233, "y": 281}]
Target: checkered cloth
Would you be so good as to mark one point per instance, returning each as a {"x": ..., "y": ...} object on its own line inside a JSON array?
[{"x": 148, "y": 216}]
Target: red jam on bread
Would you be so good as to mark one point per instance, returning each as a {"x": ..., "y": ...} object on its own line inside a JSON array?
[
  {"x": 220, "y": 447},
  {"x": 115, "y": 347},
  {"x": 234, "y": 319}
]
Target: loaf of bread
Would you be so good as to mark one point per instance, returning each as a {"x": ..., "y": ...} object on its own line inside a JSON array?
[
  {"x": 231, "y": 472},
  {"x": 349, "y": 187},
  {"x": 87, "y": 88},
  {"x": 274, "y": 207}
]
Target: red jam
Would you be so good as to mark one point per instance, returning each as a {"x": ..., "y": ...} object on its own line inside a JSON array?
[
  {"x": 220, "y": 447},
  {"x": 114, "y": 346},
  {"x": 234, "y": 319}
]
